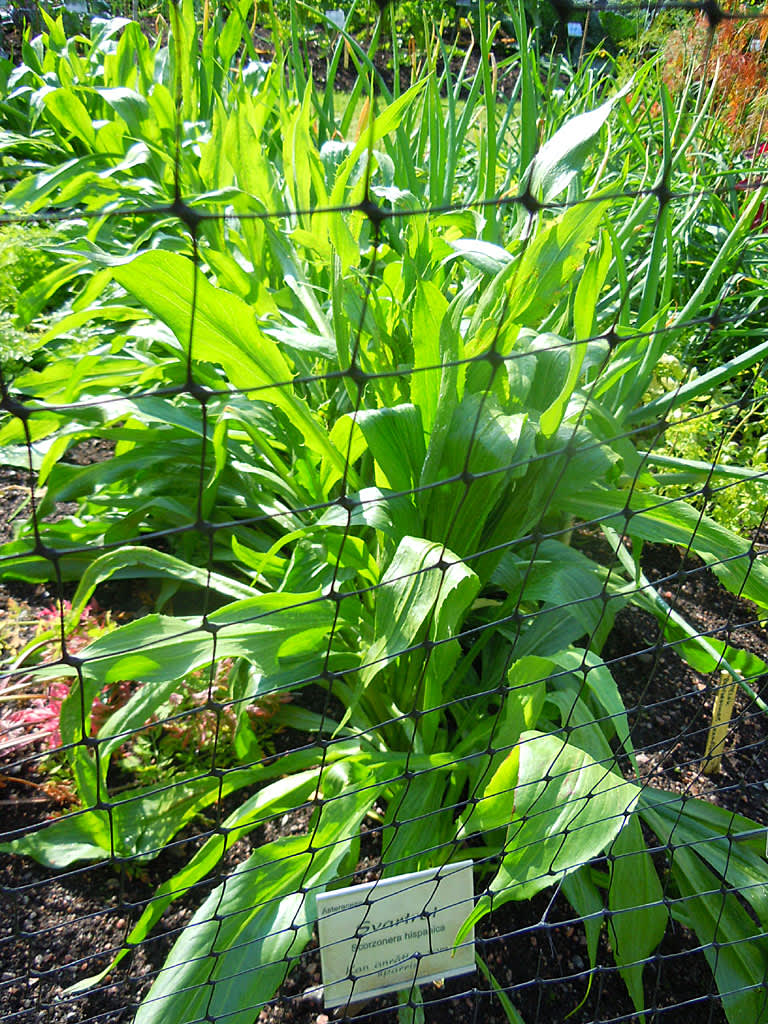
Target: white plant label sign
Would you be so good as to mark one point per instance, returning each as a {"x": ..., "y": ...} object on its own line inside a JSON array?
[
  {"x": 338, "y": 18},
  {"x": 392, "y": 934}
]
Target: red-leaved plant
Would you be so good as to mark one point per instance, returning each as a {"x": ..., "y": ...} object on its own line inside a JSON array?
[
  {"x": 737, "y": 50},
  {"x": 29, "y": 712}
]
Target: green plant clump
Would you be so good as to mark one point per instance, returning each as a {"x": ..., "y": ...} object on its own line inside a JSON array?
[{"x": 405, "y": 414}]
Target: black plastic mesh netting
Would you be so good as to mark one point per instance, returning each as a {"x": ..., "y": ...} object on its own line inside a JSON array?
[{"x": 383, "y": 560}]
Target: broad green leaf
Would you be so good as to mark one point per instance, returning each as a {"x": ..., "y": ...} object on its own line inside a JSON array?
[
  {"x": 430, "y": 307},
  {"x": 38, "y": 295},
  {"x": 237, "y": 947},
  {"x": 527, "y": 678},
  {"x": 301, "y": 161},
  {"x": 346, "y": 437},
  {"x": 114, "y": 314},
  {"x": 638, "y": 918},
  {"x": 527, "y": 681},
  {"x": 496, "y": 806},
  {"x": 552, "y": 416},
  {"x": 566, "y": 697},
  {"x": 567, "y": 810},
  {"x": 221, "y": 328},
  {"x": 422, "y": 824},
  {"x": 144, "y": 820},
  {"x": 82, "y": 836},
  {"x": 394, "y": 514},
  {"x": 548, "y": 265},
  {"x": 492, "y": 446},
  {"x": 735, "y": 947},
  {"x": 551, "y": 574},
  {"x": 458, "y": 589},
  {"x": 234, "y": 31},
  {"x": 132, "y": 64},
  {"x": 404, "y": 599},
  {"x": 183, "y": 49},
  {"x": 732, "y": 845},
  {"x": 264, "y": 918},
  {"x": 72, "y": 114},
  {"x": 272, "y": 801},
  {"x": 562, "y": 157},
  {"x": 485, "y": 256},
  {"x": 395, "y": 437},
  {"x": 597, "y": 677},
  {"x": 158, "y": 648},
  {"x": 450, "y": 393},
  {"x": 552, "y": 358},
  {"x": 588, "y": 292},
  {"x": 128, "y": 104}
]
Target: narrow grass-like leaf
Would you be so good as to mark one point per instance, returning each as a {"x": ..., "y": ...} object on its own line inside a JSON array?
[
  {"x": 667, "y": 522},
  {"x": 133, "y": 562}
]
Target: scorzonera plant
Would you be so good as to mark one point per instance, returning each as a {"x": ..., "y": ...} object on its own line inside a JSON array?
[{"x": 398, "y": 422}]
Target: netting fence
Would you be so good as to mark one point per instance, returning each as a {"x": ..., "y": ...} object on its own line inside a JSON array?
[{"x": 384, "y": 468}]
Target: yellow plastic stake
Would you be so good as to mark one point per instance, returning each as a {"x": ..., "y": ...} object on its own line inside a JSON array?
[{"x": 722, "y": 715}]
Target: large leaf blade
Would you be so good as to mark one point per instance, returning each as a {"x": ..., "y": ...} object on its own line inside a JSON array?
[
  {"x": 562, "y": 157},
  {"x": 237, "y": 948},
  {"x": 219, "y": 327},
  {"x": 567, "y": 810}
]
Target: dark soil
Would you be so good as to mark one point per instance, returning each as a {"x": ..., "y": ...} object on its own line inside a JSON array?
[
  {"x": 670, "y": 705},
  {"x": 319, "y": 48},
  {"x": 57, "y": 929}
]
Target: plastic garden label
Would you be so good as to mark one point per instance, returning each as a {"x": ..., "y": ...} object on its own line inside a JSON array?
[
  {"x": 574, "y": 29},
  {"x": 338, "y": 18},
  {"x": 392, "y": 934}
]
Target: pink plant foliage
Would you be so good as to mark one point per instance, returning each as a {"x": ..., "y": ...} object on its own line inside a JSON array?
[
  {"x": 30, "y": 713},
  {"x": 37, "y": 719}
]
